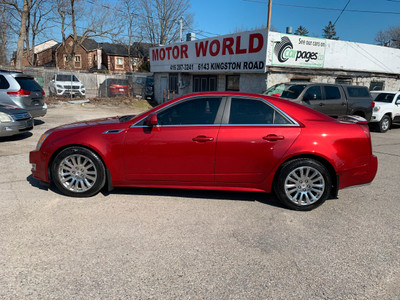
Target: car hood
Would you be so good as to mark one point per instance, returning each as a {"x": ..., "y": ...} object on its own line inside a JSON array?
[
  {"x": 69, "y": 83},
  {"x": 88, "y": 123},
  {"x": 383, "y": 104}
]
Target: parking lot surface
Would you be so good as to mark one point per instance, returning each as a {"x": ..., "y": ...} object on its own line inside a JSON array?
[{"x": 173, "y": 244}]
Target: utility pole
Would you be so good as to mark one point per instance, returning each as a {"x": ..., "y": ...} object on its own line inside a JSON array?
[
  {"x": 180, "y": 30},
  {"x": 269, "y": 15}
]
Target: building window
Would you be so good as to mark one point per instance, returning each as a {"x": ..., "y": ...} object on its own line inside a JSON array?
[
  {"x": 232, "y": 82},
  {"x": 119, "y": 62},
  {"x": 343, "y": 80},
  {"x": 376, "y": 86},
  {"x": 204, "y": 83},
  {"x": 173, "y": 82},
  {"x": 77, "y": 61}
]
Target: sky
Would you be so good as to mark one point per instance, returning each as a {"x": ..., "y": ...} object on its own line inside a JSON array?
[{"x": 357, "y": 23}]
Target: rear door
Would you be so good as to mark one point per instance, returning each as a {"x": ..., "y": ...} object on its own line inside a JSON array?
[
  {"x": 328, "y": 99},
  {"x": 253, "y": 138}
]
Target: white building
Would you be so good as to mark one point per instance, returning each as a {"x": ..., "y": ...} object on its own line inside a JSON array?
[{"x": 252, "y": 61}]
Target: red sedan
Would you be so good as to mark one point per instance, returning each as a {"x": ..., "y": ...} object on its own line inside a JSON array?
[{"x": 220, "y": 141}]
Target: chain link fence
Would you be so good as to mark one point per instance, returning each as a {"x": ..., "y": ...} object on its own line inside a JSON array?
[{"x": 92, "y": 85}]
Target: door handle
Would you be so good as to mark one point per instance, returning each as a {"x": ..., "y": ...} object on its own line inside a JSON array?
[
  {"x": 273, "y": 137},
  {"x": 202, "y": 139}
]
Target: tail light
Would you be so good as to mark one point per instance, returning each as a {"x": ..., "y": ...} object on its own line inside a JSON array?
[
  {"x": 43, "y": 93},
  {"x": 21, "y": 92},
  {"x": 373, "y": 104}
]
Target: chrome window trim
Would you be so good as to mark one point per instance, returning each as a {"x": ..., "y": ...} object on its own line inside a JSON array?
[{"x": 228, "y": 98}]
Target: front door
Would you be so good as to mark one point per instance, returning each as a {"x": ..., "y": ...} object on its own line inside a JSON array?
[{"x": 180, "y": 149}]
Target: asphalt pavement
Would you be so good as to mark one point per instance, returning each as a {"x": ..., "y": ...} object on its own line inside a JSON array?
[{"x": 174, "y": 244}]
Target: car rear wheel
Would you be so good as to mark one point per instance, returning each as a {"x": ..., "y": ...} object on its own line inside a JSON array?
[
  {"x": 384, "y": 123},
  {"x": 303, "y": 184},
  {"x": 78, "y": 172}
]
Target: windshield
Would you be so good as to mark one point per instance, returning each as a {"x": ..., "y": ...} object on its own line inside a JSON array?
[
  {"x": 118, "y": 82},
  {"x": 383, "y": 97},
  {"x": 286, "y": 90},
  {"x": 62, "y": 77}
]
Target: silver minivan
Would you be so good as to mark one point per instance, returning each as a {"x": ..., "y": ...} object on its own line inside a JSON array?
[{"x": 20, "y": 90}]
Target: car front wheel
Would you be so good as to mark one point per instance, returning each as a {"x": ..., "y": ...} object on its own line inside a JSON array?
[
  {"x": 384, "y": 123},
  {"x": 303, "y": 184},
  {"x": 78, "y": 172}
]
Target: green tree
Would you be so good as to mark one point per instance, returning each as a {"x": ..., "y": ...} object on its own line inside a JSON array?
[
  {"x": 330, "y": 32},
  {"x": 301, "y": 31}
]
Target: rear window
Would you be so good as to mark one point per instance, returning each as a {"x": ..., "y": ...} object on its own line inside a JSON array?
[
  {"x": 118, "y": 81},
  {"x": 357, "y": 92},
  {"x": 28, "y": 84}
]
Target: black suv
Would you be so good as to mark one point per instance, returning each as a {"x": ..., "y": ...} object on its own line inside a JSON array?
[{"x": 330, "y": 99}]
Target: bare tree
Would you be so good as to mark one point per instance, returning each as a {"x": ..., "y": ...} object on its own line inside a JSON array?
[
  {"x": 389, "y": 37},
  {"x": 84, "y": 19},
  {"x": 39, "y": 16},
  {"x": 160, "y": 19},
  {"x": 3, "y": 34},
  {"x": 22, "y": 7}
]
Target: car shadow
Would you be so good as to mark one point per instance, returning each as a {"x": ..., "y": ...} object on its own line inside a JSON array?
[
  {"x": 265, "y": 198},
  {"x": 18, "y": 137},
  {"x": 39, "y": 184},
  {"x": 38, "y": 122}
]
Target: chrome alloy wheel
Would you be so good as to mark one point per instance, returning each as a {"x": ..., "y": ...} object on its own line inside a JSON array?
[
  {"x": 77, "y": 173},
  {"x": 304, "y": 185},
  {"x": 385, "y": 124}
]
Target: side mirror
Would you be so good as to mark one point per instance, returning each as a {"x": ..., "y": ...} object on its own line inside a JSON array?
[
  {"x": 151, "y": 120},
  {"x": 397, "y": 102}
]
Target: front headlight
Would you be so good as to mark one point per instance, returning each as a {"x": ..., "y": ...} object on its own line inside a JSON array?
[
  {"x": 41, "y": 140},
  {"x": 5, "y": 118},
  {"x": 377, "y": 108},
  {"x": 59, "y": 86}
]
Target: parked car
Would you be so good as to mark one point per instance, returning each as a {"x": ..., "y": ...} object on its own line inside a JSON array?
[
  {"x": 331, "y": 99},
  {"x": 386, "y": 110},
  {"x": 66, "y": 85},
  {"x": 222, "y": 141},
  {"x": 143, "y": 87},
  {"x": 22, "y": 91},
  {"x": 14, "y": 121},
  {"x": 112, "y": 87}
]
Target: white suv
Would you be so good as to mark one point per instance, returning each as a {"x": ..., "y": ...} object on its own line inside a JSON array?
[
  {"x": 66, "y": 85},
  {"x": 386, "y": 110}
]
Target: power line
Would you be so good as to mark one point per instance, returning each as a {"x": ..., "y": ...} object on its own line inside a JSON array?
[
  {"x": 341, "y": 12},
  {"x": 327, "y": 8}
]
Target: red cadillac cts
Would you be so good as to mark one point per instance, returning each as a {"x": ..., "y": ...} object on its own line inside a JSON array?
[{"x": 220, "y": 141}]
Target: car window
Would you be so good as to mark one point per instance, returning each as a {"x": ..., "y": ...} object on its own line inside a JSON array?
[
  {"x": 313, "y": 93},
  {"x": 332, "y": 92},
  {"x": 4, "y": 83},
  {"x": 28, "y": 84},
  {"x": 251, "y": 112},
  {"x": 200, "y": 111},
  {"x": 293, "y": 91},
  {"x": 357, "y": 92}
]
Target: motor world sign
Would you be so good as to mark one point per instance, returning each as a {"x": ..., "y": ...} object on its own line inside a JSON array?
[
  {"x": 241, "y": 52},
  {"x": 299, "y": 51}
]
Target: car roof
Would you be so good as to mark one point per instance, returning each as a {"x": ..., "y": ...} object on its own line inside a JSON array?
[{"x": 387, "y": 92}]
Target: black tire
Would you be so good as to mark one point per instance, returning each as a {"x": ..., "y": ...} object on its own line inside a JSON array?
[
  {"x": 303, "y": 184},
  {"x": 78, "y": 172},
  {"x": 384, "y": 124}
]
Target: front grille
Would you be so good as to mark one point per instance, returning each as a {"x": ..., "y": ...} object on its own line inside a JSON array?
[
  {"x": 74, "y": 87},
  {"x": 21, "y": 116}
]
